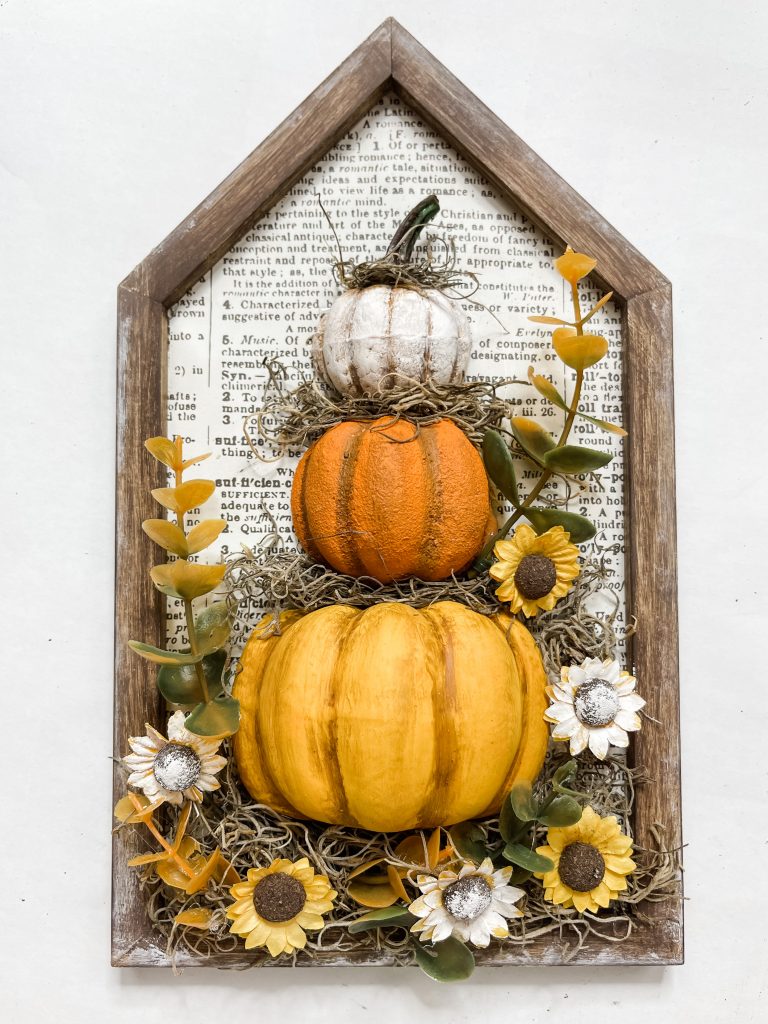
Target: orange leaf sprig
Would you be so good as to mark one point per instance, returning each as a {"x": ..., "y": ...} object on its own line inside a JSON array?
[
  {"x": 378, "y": 883},
  {"x": 180, "y": 862},
  {"x": 190, "y": 679}
]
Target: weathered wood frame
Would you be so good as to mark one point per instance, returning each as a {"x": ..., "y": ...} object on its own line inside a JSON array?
[{"x": 391, "y": 59}]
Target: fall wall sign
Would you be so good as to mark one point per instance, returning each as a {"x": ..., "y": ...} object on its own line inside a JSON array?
[{"x": 396, "y": 658}]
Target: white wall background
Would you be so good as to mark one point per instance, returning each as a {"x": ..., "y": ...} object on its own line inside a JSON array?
[{"x": 117, "y": 118}]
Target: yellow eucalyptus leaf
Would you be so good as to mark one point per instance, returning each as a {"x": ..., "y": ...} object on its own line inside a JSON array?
[
  {"x": 184, "y": 497},
  {"x": 578, "y": 350},
  {"x": 168, "y": 868},
  {"x": 204, "y": 533},
  {"x": 193, "y": 462},
  {"x": 167, "y": 535},
  {"x": 203, "y": 877},
  {"x": 596, "y": 307},
  {"x": 187, "y": 580},
  {"x": 574, "y": 265},
  {"x": 612, "y": 428},
  {"x": 126, "y": 808},
  {"x": 146, "y": 858},
  {"x": 362, "y": 868},
  {"x": 372, "y": 893},
  {"x": 548, "y": 320},
  {"x": 395, "y": 878},
  {"x": 188, "y": 846},
  {"x": 165, "y": 451},
  {"x": 171, "y": 874},
  {"x": 546, "y": 388},
  {"x": 411, "y": 850},
  {"x": 225, "y": 874},
  {"x": 195, "y": 917},
  {"x": 433, "y": 848},
  {"x": 369, "y": 887}
]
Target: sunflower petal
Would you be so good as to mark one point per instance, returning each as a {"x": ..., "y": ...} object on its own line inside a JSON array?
[{"x": 583, "y": 901}]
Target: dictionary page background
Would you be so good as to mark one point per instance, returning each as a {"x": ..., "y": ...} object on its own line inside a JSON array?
[{"x": 263, "y": 299}]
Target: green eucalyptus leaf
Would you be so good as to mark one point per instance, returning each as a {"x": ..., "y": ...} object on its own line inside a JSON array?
[
  {"x": 565, "y": 772},
  {"x": 468, "y": 840},
  {"x": 575, "y": 458},
  {"x": 161, "y": 657},
  {"x": 213, "y": 626},
  {"x": 518, "y": 876},
  {"x": 500, "y": 466},
  {"x": 562, "y": 811},
  {"x": 219, "y": 717},
  {"x": 179, "y": 683},
  {"x": 384, "y": 917},
  {"x": 527, "y": 859},
  {"x": 523, "y": 804},
  {"x": 510, "y": 826},
  {"x": 533, "y": 439},
  {"x": 449, "y": 960},
  {"x": 579, "y": 527}
]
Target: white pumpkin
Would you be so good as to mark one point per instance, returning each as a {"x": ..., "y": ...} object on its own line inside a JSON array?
[{"x": 371, "y": 333}]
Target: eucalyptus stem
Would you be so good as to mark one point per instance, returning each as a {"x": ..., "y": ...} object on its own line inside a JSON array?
[
  {"x": 172, "y": 853},
  {"x": 547, "y": 474},
  {"x": 194, "y": 648},
  {"x": 188, "y": 613}
]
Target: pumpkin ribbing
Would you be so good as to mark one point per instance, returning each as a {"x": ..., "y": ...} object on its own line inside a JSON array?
[
  {"x": 390, "y": 500},
  {"x": 388, "y": 718},
  {"x": 369, "y": 335}
]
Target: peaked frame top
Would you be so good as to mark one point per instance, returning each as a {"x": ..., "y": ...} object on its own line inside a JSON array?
[{"x": 390, "y": 59}]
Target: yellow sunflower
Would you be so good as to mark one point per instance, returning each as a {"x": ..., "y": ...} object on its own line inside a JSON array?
[
  {"x": 535, "y": 571},
  {"x": 591, "y": 861},
  {"x": 275, "y": 904}
]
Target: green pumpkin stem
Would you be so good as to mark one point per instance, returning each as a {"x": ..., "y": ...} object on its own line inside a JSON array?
[{"x": 411, "y": 227}]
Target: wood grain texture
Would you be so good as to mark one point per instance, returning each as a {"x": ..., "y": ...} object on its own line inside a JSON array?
[
  {"x": 652, "y": 577},
  {"x": 142, "y": 325},
  {"x": 392, "y": 59}
]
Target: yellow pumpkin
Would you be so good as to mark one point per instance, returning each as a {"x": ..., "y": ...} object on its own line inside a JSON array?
[{"x": 390, "y": 718}]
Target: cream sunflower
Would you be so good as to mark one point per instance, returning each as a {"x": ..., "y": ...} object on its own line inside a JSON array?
[
  {"x": 471, "y": 904},
  {"x": 535, "y": 571},
  {"x": 591, "y": 861},
  {"x": 180, "y": 767},
  {"x": 275, "y": 905},
  {"x": 594, "y": 705}
]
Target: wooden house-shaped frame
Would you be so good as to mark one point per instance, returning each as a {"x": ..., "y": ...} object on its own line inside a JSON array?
[{"x": 392, "y": 60}]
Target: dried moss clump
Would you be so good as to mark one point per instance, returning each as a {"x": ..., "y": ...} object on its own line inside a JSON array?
[
  {"x": 294, "y": 419},
  {"x": 250, "y": 834}
]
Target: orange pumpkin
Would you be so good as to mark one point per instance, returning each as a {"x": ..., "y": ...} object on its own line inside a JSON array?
[{"x": 389, "y": 499}]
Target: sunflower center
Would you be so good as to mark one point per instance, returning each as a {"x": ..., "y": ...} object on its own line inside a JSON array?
[
  {"x": 596, "y": 703},
  {"x": 176, "y": 767},
  {"x": 535, "y": 576},
  {"x": 581, "y": 867},
  {"x": 278, "y": 897},
  {"x": 468, "y": 898}
]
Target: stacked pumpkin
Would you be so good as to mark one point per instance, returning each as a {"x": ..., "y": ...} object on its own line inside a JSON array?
[{"x": 391, "y": 718}]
